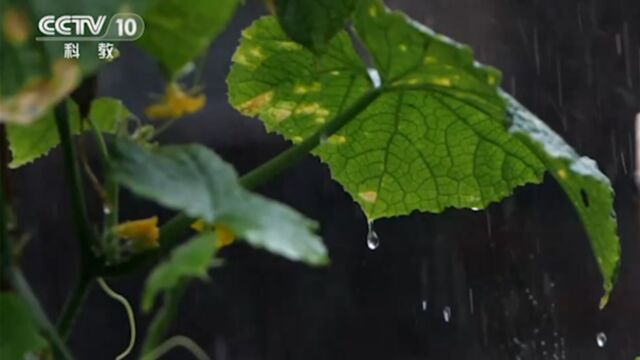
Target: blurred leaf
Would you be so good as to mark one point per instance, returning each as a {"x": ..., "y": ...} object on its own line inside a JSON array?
[
  {"x": 29, "y": 142},
  {"x": 19, "y": 335},
  {"x": 313, "y": 23},
  {"x": 189, "y": 260},
  {"x": 34, "y": 76},
  {"x": 438, "y": 135},
  {"x": 109, "y": 114},
  {"x": 586, "y": 186},
  {"x": 193, "y": 179},
  {"x": 179, "y": 31}
]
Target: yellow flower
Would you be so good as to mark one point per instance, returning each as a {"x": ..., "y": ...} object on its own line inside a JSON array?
[
  {"x": 175, "y": 103},
  {"x": 143, "y": 233},
  {"x": 198, "y": 225},
  {"x": 224, "y": 234}
]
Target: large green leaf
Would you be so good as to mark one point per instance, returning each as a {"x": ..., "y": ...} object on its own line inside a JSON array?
[
  {"x": 178, "y": 31},
  {"x": 195, "y": 180},
  {"x": 189, "y": 260},
  {"x": 29, "y": 142},
  {"x": 313, "y": 23},
  {"x": 18, "y": 333},
  {"x": 436, "y": 137},
  {"x": 586, "y": 186}
]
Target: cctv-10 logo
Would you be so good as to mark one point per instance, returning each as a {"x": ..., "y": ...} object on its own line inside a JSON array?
[{"x": 121, "y": 27}]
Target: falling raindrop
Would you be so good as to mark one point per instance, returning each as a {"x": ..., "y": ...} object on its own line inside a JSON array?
[
  {"x": 601, "y": 339},
  {"x": 106, "y": 209},
  {"x": 536, "y": 49},
  {"x": 424, "y": 305},
  {"x": 373, "y": 241},
  {"x": 446, "y": 313}
]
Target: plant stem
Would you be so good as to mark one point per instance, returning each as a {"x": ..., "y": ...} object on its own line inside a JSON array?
[
  {"x": 72, "y": 169},
  {"x": 24, "y": 290},
  {"x": 73, "y": 305},
  {"x": 163, "y": 318},
  {"x": 112, "y": 190},
  {"x": 83, "y": 230},
  {"x": 290, "y": 156},
  {"x": 6, "y": 250}
]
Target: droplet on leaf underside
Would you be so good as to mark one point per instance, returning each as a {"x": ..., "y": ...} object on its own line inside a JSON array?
[{"x": 373, "y": 241}]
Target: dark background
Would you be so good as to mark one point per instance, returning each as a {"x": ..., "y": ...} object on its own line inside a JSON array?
[{"x": 519, "y": 278}]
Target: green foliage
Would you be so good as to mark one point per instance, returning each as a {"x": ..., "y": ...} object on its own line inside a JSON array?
[
  {"x": 197, "y": 181},
  {"x": 588, "y": 189},
  {"x": 109, "y": 114},
  {"x": 189, "y": 260},
  {"x": 437, "y": 137},
  {"x": 29, "y": 142},
  {"x": 313, "y": 23},
  {"x": 177, "y": 32},
  {"x": 19, "y": 335}
]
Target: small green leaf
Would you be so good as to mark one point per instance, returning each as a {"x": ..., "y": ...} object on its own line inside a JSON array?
[
  {"x": 178, "y": 31},
  {"x": 438, "y": 135},
  {"x": 195, "y": 180},
  {"x": 588, "y": 189},
  {"x": 313, "y": 23},
  {"x": 108, "y": 114},
  {"x": 189, "y": 260},
  {"x": 29, "y": 142},
  {"x": 19, "y": 335}
]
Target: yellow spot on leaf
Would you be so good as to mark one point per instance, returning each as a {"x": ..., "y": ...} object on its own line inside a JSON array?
[
  {"x": 281, "y": 110},
  {"x": 442, "y": 81},
  {"x": 175, "y": 103},
  {"x": 373, "y": 11},
  {"x": 36, "y": 98},
  {"x": 303, "y": 89},
  {"x": 254, "y": 106},
  {"x": 15, "y": 25},
  {"x": 562, "y": 173},
  {"x": 369, "y": 196},
  {"x": 240, "y": 58},
  {"x": 308, "y": 108},
  {"x": 337, "y": 139},
  {"x": 257, "y": 52},
  {"x": 143, "y": 234},
  {"x": 288, "y": 45},
  {"x": 430, "y": 60},
  {"x": 297, "y": 139}
]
